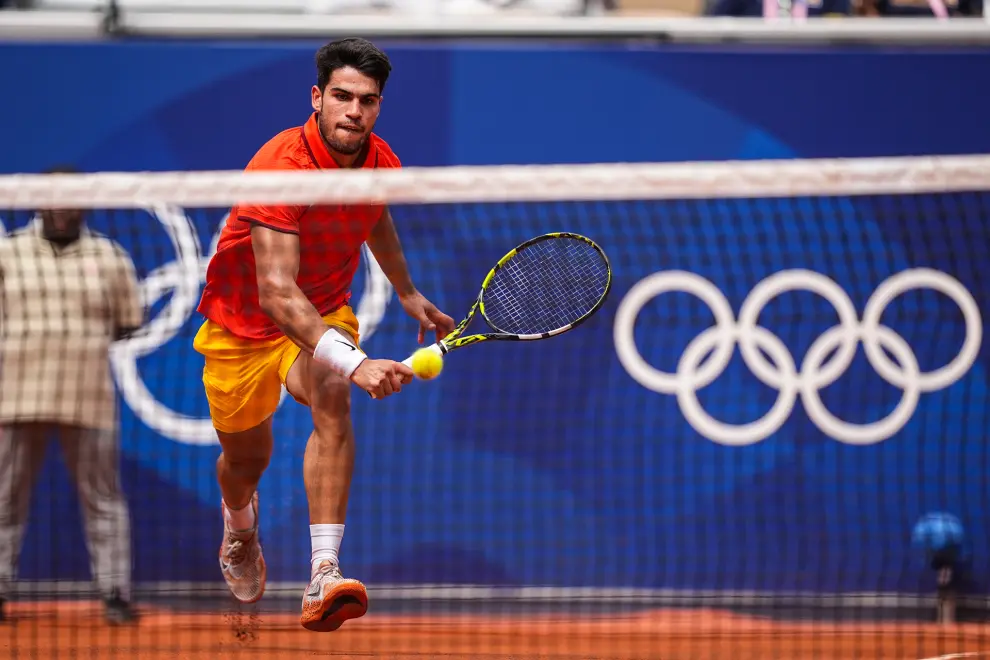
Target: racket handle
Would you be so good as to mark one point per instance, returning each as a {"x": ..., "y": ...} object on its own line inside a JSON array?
[{"x": 432, "y": 347}]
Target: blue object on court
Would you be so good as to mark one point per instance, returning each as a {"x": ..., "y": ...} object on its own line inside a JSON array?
[{"x": 938, "y": 532}]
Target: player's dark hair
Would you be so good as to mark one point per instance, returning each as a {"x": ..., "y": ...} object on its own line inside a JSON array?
[{"x": 354, "y": 52}]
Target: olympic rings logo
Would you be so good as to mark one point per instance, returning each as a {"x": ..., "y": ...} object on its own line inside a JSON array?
[
  {"x": 183, "y": 278},
  {"x": 817, "y": 371}
]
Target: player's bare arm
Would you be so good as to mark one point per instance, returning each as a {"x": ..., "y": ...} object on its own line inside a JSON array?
[
  {"x": 276, "y": 257},
  {"x": 384, "y": 244}
]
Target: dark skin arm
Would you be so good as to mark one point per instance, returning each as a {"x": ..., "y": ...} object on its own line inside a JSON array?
[
  {"x": 276, "y": 257},
  {"x": 127, "y": 311},
  {"x": 384, "y": 244}
]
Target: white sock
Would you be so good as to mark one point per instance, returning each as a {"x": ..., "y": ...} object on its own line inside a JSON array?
[
  {"x": 326, "y": 544},
  {"x": 240, "y": 520}
]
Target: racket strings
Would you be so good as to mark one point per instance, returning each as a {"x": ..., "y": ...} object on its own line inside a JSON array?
[{"x": 546, "y": 286}]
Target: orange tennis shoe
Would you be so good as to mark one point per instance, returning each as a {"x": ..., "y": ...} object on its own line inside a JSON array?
[{"x": 332, "y": 599}]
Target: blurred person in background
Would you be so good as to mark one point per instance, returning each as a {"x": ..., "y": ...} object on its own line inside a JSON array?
[
  {"x": 853, "y": 8},
  {"x": 918, "y": 8},
  {"x": 754, "y": 8},
  {"x": 66, "y": 293}
]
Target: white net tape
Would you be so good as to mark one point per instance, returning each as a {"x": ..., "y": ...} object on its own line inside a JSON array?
[{"x": 613, "y": 181}]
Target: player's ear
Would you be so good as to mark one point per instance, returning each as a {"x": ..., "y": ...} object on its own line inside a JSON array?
[{"x": 317, "y": 98}]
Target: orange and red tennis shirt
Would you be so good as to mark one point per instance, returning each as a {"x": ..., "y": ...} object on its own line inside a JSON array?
[{"x": 330, "y": 237}]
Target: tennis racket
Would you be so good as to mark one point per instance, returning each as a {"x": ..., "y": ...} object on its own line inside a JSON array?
[{"x": 544, "y": 287}]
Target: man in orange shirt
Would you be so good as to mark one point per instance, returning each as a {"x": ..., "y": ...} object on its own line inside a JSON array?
[{"x": 277, "y": 313}]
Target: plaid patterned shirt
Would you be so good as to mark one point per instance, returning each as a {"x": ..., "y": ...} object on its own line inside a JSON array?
[{"x": 60, "y": 308}]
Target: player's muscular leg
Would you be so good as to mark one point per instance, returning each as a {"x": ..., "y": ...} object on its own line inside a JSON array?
[
  {"x": 243, "y": 460},
  {"x": 330, "y": 599},
  {"x": 329, "y": 459}
]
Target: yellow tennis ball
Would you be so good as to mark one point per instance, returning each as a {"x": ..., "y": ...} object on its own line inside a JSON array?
[{"x": 426, "y": 364}]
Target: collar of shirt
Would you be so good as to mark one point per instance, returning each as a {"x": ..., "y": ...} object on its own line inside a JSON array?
[{"x": 323, "y": 159}]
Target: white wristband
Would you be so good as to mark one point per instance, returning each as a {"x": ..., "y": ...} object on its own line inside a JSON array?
[{"x": 337, "y": 351}]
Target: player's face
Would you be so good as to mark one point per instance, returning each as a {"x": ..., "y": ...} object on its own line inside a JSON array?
[
  {"x": 348, "y": 109},
  {"x": 61, "y": 224}
]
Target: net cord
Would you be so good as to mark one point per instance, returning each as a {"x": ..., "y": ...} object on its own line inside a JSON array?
[{"x": 523, "y": 183}]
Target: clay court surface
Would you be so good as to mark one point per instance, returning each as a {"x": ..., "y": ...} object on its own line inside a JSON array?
[{"x": 76, "y": 630}]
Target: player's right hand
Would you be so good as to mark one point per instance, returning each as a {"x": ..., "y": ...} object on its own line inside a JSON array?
[{"x": 380, "y": 378}]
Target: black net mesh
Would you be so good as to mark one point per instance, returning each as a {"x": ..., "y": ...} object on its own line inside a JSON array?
[{"x": 765, "y": 444}]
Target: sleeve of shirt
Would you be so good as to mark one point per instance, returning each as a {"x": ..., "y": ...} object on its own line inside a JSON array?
[
  {"x": 391, "y": 160},
  {"x": 387, "y": 160},
  {"x": 127, "y": 308},
  {"x": 283, "y": 218}
]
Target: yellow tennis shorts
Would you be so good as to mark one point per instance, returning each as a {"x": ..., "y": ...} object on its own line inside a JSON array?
[{"x": 244, "y": 377}]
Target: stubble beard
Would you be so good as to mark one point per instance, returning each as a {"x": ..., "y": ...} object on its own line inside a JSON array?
[{"x": 335, "y": 144}]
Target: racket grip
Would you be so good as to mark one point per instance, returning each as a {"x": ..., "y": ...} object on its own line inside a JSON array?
[{"x": 436, "y": 348}]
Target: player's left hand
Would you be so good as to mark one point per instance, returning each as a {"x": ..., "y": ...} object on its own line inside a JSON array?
[{"x": 430, "y": 318}]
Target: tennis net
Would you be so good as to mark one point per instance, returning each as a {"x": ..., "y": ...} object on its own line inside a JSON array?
[{"x": 770, "y": 440}]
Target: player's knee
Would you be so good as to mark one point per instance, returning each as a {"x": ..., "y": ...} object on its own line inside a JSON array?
[
  {"x": 331, "y": 395},
  {"x": 249, "y": 468}
]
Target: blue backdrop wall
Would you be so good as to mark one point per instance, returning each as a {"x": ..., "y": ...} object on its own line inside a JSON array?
[{"x": 561, "y": 464}]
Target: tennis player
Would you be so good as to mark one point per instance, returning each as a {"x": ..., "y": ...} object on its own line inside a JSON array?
[{"x": 277, "y": 313}]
